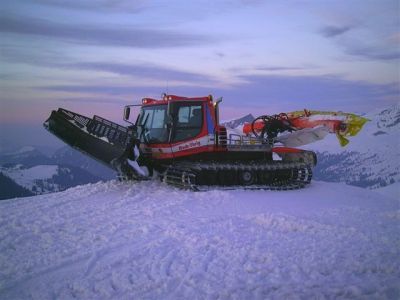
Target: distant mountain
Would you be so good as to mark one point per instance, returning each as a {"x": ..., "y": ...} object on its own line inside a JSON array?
[
  {"x": 27, "y": 171},
  {"x": 43, "y": 179},
  {"x": 238, "y": 122},
  {"x": 355, "y": 168},
  {"x": 69, "y": 156},
  {"x": 10, "y": 189},
  {"x": 372, "y": 158},
  {"x": 28, "y": 156}
]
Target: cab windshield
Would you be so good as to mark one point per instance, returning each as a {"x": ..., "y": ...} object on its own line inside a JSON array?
[{"x": 153, "y": 122}]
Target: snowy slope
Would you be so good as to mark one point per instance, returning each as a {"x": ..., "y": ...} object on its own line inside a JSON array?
[
  {"x": 42, "y": 179},
  {"x": 372, "y": 158},
  {"x": 29, "y": 177},
  {"x": 379, "y": 135},
  {"x": 10, "y": 189},
  {"x": 70, "y": 156},
  {"x": 392, "y": 190},
  {"x": 29, "y": 169},
  {"x": 150, "y": 241},
  {"x": 235, "y": 123}
]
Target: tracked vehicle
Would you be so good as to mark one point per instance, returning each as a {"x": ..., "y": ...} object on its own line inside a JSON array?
[{"x": 180, "y": 140}]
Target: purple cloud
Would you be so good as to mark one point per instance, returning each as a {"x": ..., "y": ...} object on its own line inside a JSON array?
[
  {"x": 373, "y": 52},
  {"x": 282, "y": 68},
  {"x": 100, "y": 35},
  {"x": 355, "y": 46},
  {"x": 103, "y": 89},
  {"x": 333, "y": 31},
  {"x": 96, "y": 5},
  {"x": 317, "y": 91},
  {"x": 141, "y": 70},
  {"x": 56, "y": 60},
  {"x": 286, "y": 92}
]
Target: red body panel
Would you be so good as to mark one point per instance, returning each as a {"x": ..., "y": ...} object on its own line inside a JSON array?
[
  {"x": 333, "y": 125},
  {"x": 189, "y": 147},
  {"x": 205, "y": 141},
  {"x": 285, "y": 150},
  {"x": 299, "y": 123}
]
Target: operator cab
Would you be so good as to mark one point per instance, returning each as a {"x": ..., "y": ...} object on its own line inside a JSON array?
[
  {"x": 161, "y": 122},
  {"x": 184, "y": 122}
]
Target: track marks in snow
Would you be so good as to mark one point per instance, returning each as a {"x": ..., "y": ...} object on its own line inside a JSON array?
[{"x": 148, "y": 240}]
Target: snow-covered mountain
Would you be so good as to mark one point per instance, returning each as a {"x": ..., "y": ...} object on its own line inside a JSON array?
[
  {"x": 372, "y": 158},
  {"x": 10, "y": 189},
  {"x": 147, "y": 240},
  {"x": 28, "y": 156},
  {"x": 70, "y": 156},
  {"x": 27, "y": 171},
  {"x": 42, "y": 179},
  {"x": 235, "y": 123}
]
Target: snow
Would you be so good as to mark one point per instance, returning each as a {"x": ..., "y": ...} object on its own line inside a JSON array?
[
  {"x": 392, "y": 190},
  {"x": 20, "y": 151},
  {"x": 373, "y": 155},
  {"x": 142, "y": 171},
  {"x": 28, "y": 177},
  {"x": 147, "y": 240},
  {"x": 25, "y": 149},
  {"x": 367, "y": 139}
]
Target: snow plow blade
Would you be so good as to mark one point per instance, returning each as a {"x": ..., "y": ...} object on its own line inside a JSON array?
[{"x": 99, "y": 138}]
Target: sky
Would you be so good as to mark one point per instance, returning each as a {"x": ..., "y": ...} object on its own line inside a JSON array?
[{"x": 262, "y": 57}]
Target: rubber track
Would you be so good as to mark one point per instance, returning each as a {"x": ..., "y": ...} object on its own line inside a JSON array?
[{"x": 184, "y": 175}]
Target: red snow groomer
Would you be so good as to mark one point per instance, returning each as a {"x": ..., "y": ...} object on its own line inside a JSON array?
[{"x": 181, "y": 141}]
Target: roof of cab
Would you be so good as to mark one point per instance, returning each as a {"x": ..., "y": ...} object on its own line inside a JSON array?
[{"x": 167, "y": 98}]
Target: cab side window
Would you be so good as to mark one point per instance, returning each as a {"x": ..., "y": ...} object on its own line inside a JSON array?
[{"x": 189, "y": 121}]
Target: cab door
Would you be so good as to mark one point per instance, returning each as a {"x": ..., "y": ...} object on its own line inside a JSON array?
[{"x": 187, "y": 121}]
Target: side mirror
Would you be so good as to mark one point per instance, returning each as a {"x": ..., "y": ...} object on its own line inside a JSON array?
[{"x": 127, "y": 112}]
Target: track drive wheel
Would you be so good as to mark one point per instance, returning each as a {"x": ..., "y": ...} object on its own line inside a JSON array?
[{"x": 247, "y": 177}]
